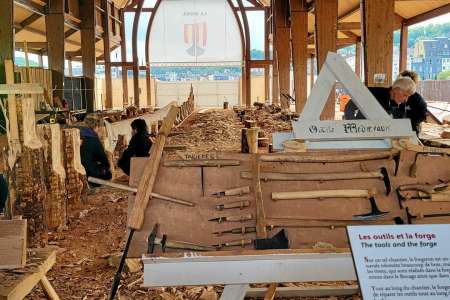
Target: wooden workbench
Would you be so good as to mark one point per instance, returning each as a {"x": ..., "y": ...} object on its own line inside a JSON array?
[{"x": 18, "y": 283}]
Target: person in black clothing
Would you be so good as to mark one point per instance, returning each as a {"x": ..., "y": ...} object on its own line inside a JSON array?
[
  {"x": 139, "y": 145},
  {"x": 93, "y": 156},
  {"x": 400, "y": 101},
  {"x": 3, "y": 192}
]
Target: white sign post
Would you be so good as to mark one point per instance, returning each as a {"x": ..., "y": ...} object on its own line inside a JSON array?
[{"x": 402, "y": 262}]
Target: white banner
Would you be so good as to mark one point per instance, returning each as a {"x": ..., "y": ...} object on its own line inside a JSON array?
[{"x": 196, "y": 31}]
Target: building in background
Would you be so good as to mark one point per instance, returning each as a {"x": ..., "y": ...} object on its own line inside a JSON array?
[{"x": 431, "y": 57}]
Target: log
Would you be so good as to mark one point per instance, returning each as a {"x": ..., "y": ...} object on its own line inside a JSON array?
[
  {"x": 336, "y": 158},
  {"x": 244, "y": 143},
  {"x": 321, "y": 194},
  {"x": 275, "y": 176},
  {"x": 75, "y": 173},
  {"x": 252, "y": 139},
  {"x": 55, "y": 175}
]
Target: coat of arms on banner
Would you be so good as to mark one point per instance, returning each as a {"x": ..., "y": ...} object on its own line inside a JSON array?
[{"x": 195, "y": 36}]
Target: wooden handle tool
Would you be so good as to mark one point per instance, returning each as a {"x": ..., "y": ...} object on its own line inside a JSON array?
[
  {"x": 236, "y": 204},
  {"x": 322, "y": 194}
]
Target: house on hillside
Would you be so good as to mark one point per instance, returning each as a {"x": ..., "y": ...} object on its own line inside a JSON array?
[{"x": 431, "y": 57}]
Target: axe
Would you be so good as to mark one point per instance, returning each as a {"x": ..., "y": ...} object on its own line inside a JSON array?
[{"x": 322, "y": 194}]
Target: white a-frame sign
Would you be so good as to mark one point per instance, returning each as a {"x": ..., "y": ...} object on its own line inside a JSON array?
[{"x": 376, "y": 131}]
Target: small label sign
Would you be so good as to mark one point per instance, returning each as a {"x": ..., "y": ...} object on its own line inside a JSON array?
[
  {"x": 402, "y": 262},
  {"x": 379, "y": 78},
  {"x": 197, "y": 155}
]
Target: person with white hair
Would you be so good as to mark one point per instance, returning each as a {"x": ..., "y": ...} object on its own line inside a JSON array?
[{"x": 396, "y": 103}]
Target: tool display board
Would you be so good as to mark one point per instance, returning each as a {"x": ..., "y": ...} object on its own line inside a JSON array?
[
  {"x": 398, "y": 262},
  {"x": 197, "y": 184}
]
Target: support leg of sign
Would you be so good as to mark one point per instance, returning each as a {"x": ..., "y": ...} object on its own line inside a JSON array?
[{"x": 234, "y": 292}]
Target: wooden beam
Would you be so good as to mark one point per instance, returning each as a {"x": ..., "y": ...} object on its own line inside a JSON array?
[
  {"x": 6, "y": 36},
  {"x": 299, "y": 33},
  {"x": 31, "y": 6},
  {"x": 148, "y": 79},
  {"x": 32, "y": 45},
  {"x": 123, "y": 53},
  {"x": 134, "y": 40},
  {"x": 283, "y": 49},
  {"x": 275, "y": 82},
  {"x": 311, "y": 74},
  {"x": 442, "y": 10},
  {"x": 266, "y": 54},
  {"x": 87, "y": 15},
  {"x": 378, "y": 18},
  {"x": 349, "y": 26},
  {"x": 107, "y": 53},
  {"x": 403, "y": 57},
  {"x": 54, "y": 22},
  {"x": 28, "y": 21},
  {"x": 326, "y": 13},
  {"x": 70, "y": 32},
  {"x": 247, "y": 93},
  {"x": 358, "y": 46}
]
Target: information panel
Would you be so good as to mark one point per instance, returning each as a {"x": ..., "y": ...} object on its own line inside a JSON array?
[{"x": 402, "y": 262}]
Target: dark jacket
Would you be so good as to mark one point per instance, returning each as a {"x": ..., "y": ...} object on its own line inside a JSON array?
[
  {"x": 94, "y": 159},
  {"x": 414, "y": 109},
  {"x": 3, "y": 192},
  {"x": 139, "y": 146}
]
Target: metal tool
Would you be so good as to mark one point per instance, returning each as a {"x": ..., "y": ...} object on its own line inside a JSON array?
[
  {"x": 153, "y": 240},
  {"x": 236, "y": 204},
  {"x": 239, "y": 230},
  {"x": 233, "y": 192},
  {"x": 242, "y": 243},
  {"x": 240, "y": 218},
  {"x": 274, "y": 176},
  {"x": 134, "y": 190},
  {"x": 374, "y": 213}
]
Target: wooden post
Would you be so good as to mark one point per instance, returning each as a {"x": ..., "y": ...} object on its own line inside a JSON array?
[
  {"x": 311, "y": 74},
  {"x": 266, "y": 55},
  {"x": 123, "y": 53},
  {"x": 378, "y": 21},
  {"x": 326, "y": 12},
  {"x": 87, "y": 16},
  {"x": 358, "y": 57},
  {"x": 275, "y": 83},
  {"x": 137, "y": 16},
  {"x": 283, "y": 49},
  {"x": 403, "y": 47},
  {"x": 40, "y": 61},
  {"x": 54, "y": 22},
  {"x": 299, "y": 32},
  {"x": 252, "y": 139},
  {"x": 246, "y": 91},
  {"x": 6, "y": 35},
  {"x": 70, "y": 68},
  {"x": 107, "y": 53}
]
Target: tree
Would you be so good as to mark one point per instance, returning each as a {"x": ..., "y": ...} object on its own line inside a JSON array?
[{"x": 445, "y": 75}]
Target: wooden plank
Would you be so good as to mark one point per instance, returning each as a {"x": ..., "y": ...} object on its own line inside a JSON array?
[
  {"x": 13, "y": 244},
  {"x": 349, "y": 26},
  {"x": 234, "y": 292},
  {"x": 87, "y": 15},
  {"x": 299, "y": 32},
  {"x": 378, "y": 21},
  {"x": 261, "y": 230},
  {"x": 21, "y": 88},
  {"x": 403, "y": 47},
  {"x": 326, "y": 12},
  {"x": 19, "y": 286},
  {"x": 107, "y": 53},
  {"x": 148, "y": 179},
  {"x": 270, "y": 293},
  {"x": 54, "y": 22},
  {"x": 304, "y": 291}
]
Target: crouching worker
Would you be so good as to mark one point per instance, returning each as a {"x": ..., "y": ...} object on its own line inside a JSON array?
[
  {"x": 139, "y": 145},
  {"x": 93, "y": 156},
  {"x": 395, "y": 101}
]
